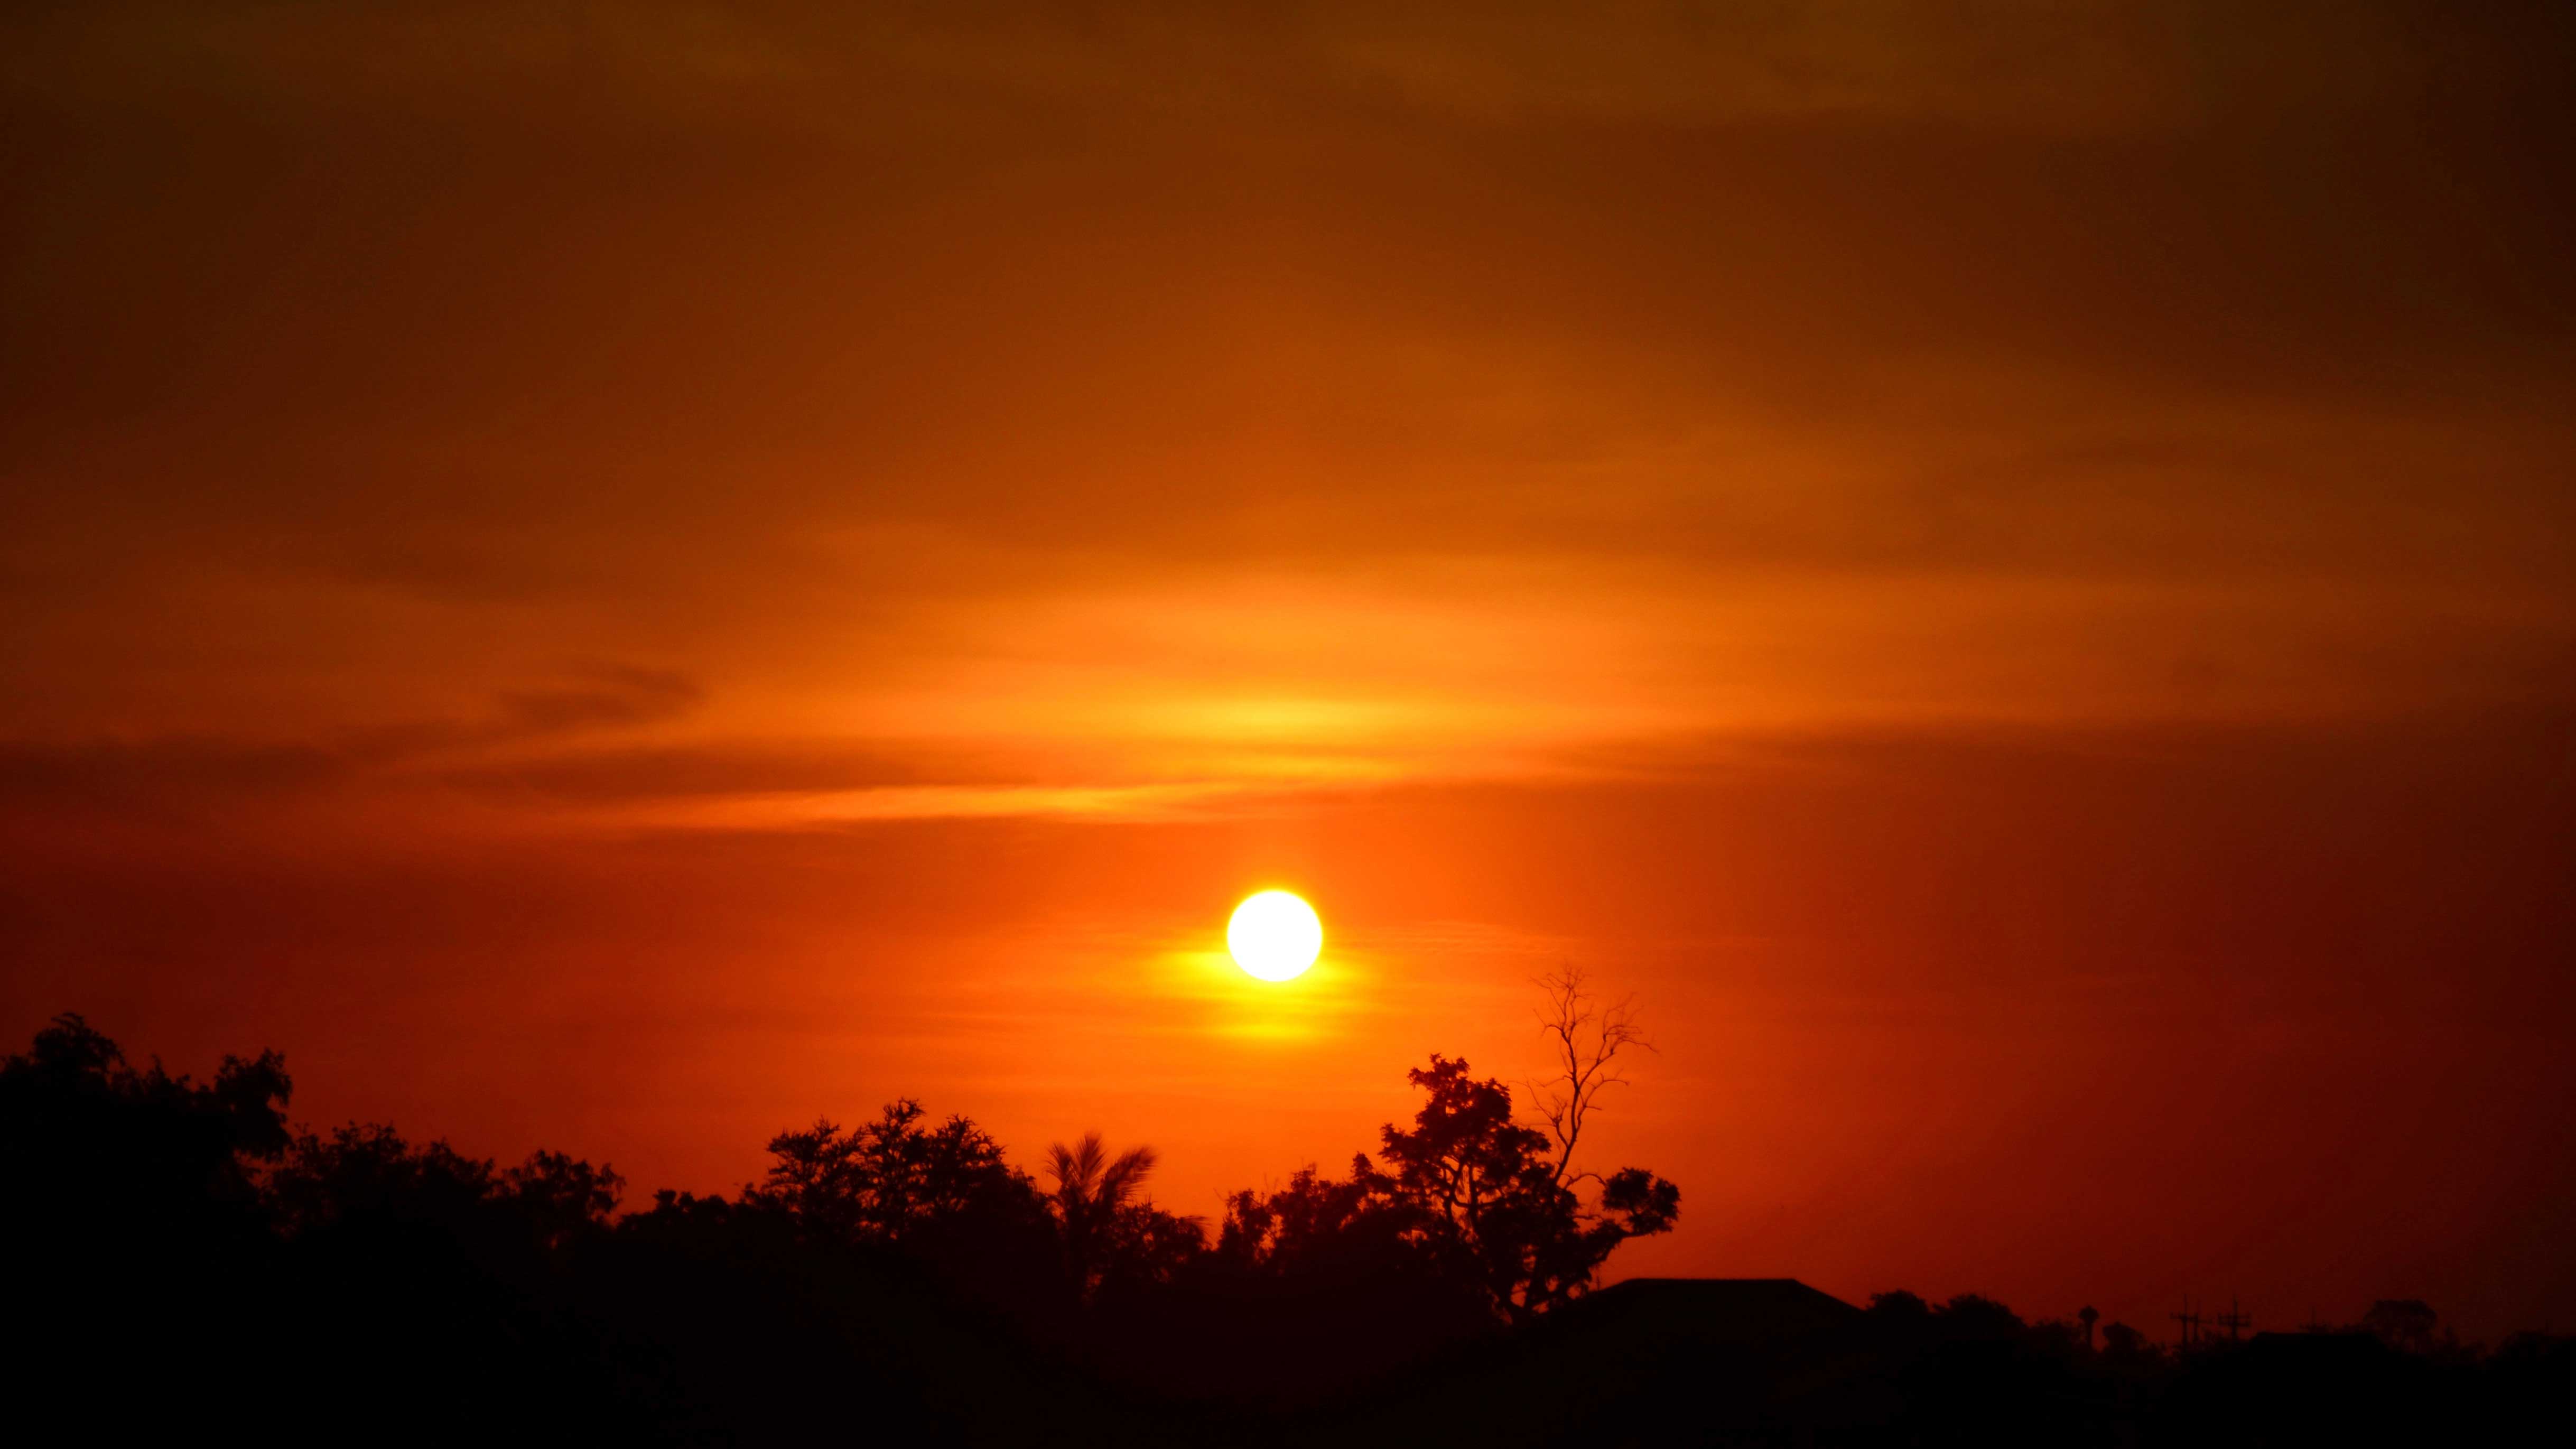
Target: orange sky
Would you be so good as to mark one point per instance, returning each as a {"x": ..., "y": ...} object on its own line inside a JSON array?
[{"x": 621, "y": 576}]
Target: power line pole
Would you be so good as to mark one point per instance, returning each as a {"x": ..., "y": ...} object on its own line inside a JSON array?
[
  {"x": 2190, "y": 1322},
  {"x": 2232, "y": 1320}
]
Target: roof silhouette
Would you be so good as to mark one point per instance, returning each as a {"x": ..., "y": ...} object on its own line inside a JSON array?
[{"x": 1717, "y": 1311}]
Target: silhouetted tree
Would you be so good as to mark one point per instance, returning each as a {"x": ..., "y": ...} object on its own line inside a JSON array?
[
  {"x": 1090, "y": 1189},
  {"x": 1899, "y": 1306},
  {"x": 368, "y": 1171},
  {"x": 364, "y": 1182},
  {"x": 1484, "y": 1192},
  {"x": 2122, "y": 1343},
  {"x": 96, "y": 1134},
  {"x": 186, "y": 1243},
  {"x": 135, "y": 1235},
  {"x": 2405, "y": 1324},
  {"x": 1466, "y": 1193},
  {"x": 1109, "y": 1231},
  {"x": 168, "y": 1244},
  {"x": 1313, "y": 1225},
  {"x": 891, "y": 1179},
  {"x": 1586, "y": 1039},
  {"x": 562, "y": 1197},
  {"x": 1974, "y": 1318}
]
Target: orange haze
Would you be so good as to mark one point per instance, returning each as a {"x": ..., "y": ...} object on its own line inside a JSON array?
[{"x": 619, "y": 577}]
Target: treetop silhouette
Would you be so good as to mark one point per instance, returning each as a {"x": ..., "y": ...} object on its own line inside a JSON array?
[{"x": 175, "y": 1240}]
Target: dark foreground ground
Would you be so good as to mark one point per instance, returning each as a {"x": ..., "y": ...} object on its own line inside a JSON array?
[{"x": 675, "y": 1347}]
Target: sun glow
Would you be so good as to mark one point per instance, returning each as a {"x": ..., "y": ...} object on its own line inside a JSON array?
[{"x": 1274, "y": 936}]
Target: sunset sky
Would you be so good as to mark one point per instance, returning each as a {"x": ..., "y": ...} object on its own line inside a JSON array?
[{"x": 619, "y": 576}]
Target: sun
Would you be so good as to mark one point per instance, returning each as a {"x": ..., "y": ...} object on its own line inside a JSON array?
[{"x": 1274, "y": 936}]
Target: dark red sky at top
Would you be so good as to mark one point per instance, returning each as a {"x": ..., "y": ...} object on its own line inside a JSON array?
[{"x": 619, "y": 577}]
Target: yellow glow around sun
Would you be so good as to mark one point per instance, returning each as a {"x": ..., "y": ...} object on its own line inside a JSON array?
[{"x": 1274, "y": 936}]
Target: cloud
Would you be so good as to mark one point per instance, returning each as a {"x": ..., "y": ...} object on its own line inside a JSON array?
[
  {"x": 1208, "y": 400},
  {"x": 183, "y": 773},
  {"x": 156, "y": 774},
  {"x": 2019, "y": 64},
  {"x": 611, "y": 776},
  {"x": 610, "y": 695},
  {"x": 590, "y": 699}
]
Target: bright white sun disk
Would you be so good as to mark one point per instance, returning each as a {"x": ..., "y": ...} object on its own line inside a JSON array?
[{"x": 1274, "y": 936}]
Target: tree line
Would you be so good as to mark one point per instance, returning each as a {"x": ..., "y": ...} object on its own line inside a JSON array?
[
  {"x": 182, "y": 1259},
  {"x": 190, "y": 1240}
]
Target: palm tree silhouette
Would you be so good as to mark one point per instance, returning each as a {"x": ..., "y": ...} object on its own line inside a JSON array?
[{"x": 1091, "y": 1190}]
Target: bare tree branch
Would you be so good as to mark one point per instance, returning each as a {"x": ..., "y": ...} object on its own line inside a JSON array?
[{"x": 1586, "y": 1038}]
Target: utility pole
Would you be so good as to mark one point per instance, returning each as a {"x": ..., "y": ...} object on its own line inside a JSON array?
[
  {"x": 2232, "y": 1320},
  {"x": 2190, "y": 1322}
]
